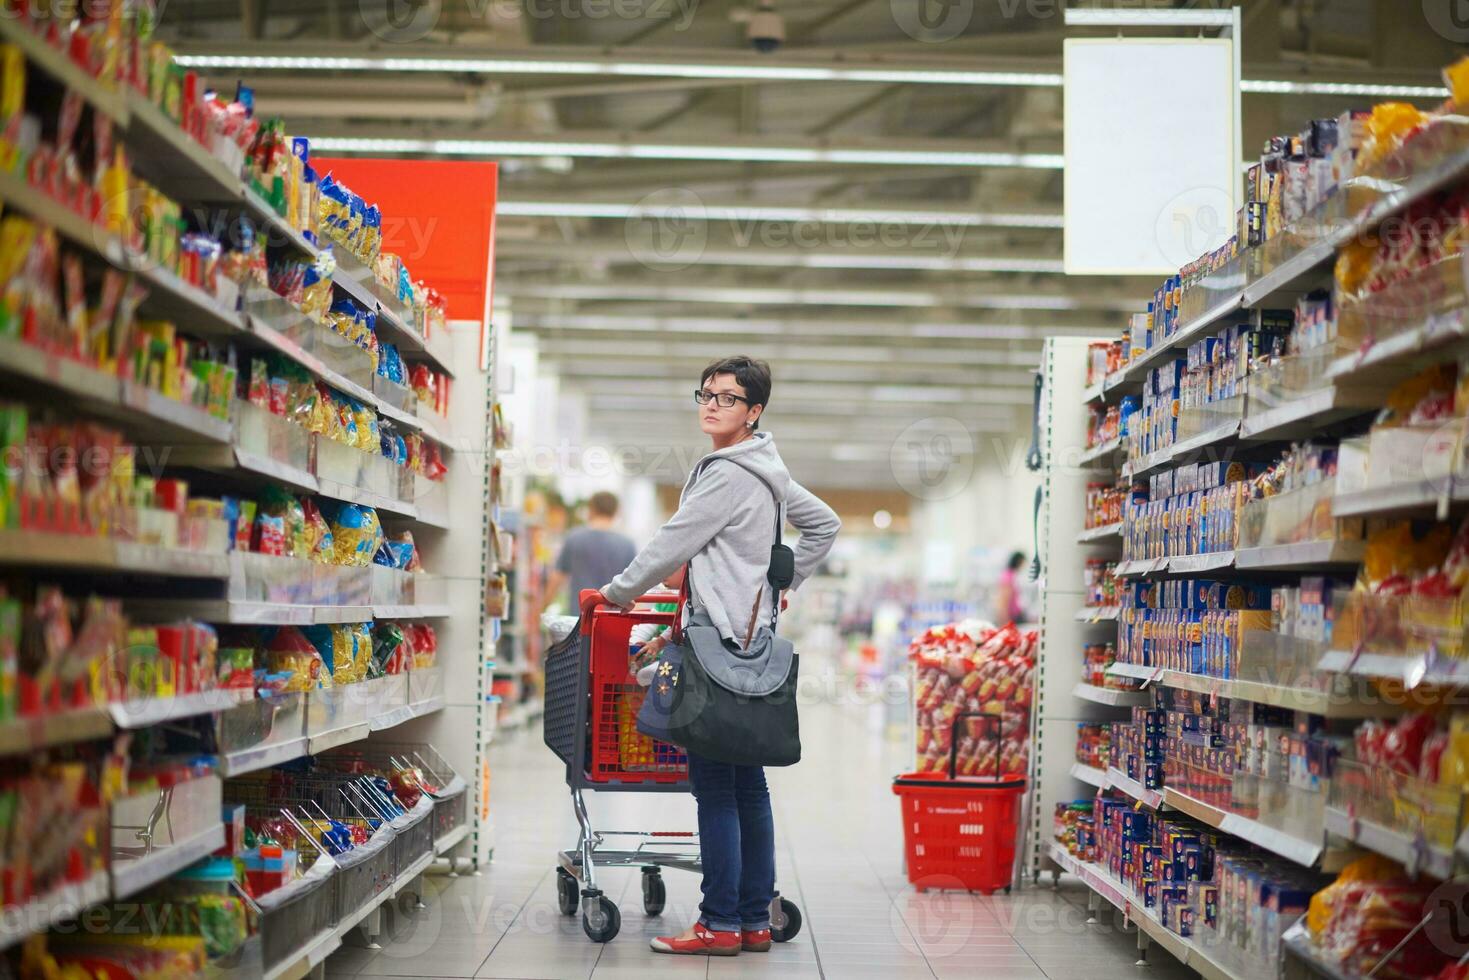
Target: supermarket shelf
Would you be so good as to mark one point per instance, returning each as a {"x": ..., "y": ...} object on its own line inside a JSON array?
[
  {"x": 1305, "y": 415},
  {"x": 175, "y": 161},
  {"x": 1141, "y": 566},
  {"x": 1195, "y": 564},
  {"x": 1209, "y": 963},
  {"x": 325, "y": 943},
  {"x": 1119, "y": 780},
  {"x": 441, "y": 611},
  {"x": 1136, "y": 671},
  {"x": 1089, "y": 774},
  {"x": 1195, "y": 330},
  {"x": 325, "y": 741},
  {"x": 405, "y": 713},
  {"x": 155, "y": 711},
  {"x": 1324, "y": 703},
  {"x": 1285, "y": 274},
  {"x": 130, "y": 876},
  {"x": 22, "y": 735},
  {"x": 55, "y": 63},
  {"x": 300, "y": 964},
  {"x": 224, "y": 458},
  {"x": 146, "y": 411},
  {"x": 1297, "y": 942},
  {"x": 261, "y": 757},
  {"x": 101, "y": 554},
  {"x": 1413, "y": 854},
  {"x": 244, "y": 613},
  {"x": 280, "y": 231},
  {"x": 1104, "y": 533},
  {"x": 1100, "y": 452},
  {"x": 1386, "y": 361},
  {"x": 1184, "y": 448},
  {"x": 57, "y": 905},
  {"x": 285, "y": 345},
  {"x": 1106, "y": 695},
  {"x": 1302, "y": 852},
  {"x": 442, "y": 845},
  {"x": 168, "y": 295},
  {"x": 1419, "y": 495},
  {"x": 1093, "y": 393},
  {"x": 1099, "y": 882},
  {"x": 1097, "y": 614},
  {"x": 1304, "y": 555},
  {"x": 1411, "y": 670}
]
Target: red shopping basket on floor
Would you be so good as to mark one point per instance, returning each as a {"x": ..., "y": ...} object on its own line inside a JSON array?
[{"x": 960, "y": 832}]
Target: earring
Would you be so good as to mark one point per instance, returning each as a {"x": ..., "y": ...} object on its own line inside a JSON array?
[{"x": 749, "y": 425}]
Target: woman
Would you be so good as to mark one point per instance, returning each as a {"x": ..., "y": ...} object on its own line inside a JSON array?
[
  {"x": 723, "y": 530},
  {"x": 1008, "y": 607}
]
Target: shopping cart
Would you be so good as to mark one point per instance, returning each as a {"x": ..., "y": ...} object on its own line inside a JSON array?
[{"x": 592, "y": 703}]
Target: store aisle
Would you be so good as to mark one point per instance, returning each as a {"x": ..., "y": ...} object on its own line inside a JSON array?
[{"x": 840, "y": 860}]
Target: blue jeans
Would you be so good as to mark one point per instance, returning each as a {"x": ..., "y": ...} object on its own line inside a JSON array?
[{"x": 736, "y": 844}]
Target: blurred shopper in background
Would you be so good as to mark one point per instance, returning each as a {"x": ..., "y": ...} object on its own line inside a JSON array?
[
  {"x": 593, "y": 554},
  {"x": 1008, "y": 605}
]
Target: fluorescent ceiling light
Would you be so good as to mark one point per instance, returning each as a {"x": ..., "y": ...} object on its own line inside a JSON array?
[
  {"x": 643, "y": 69},
  {"x": 1344, "y": 88},
  {"x": 1150, "y": 17},
  {"x": 721, "y": 212},
  {"x": 658, "y": 151},
  {"x": 790, "y": 259},
  {"x": 793, "y": 73}
]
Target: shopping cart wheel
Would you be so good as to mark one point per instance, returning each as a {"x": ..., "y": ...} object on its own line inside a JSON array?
[
  {"x": 567, "y": 895},
  {"x": 655, "y": 893},
  {"x": 785, "y": 920},
  {"x": 600, "y": 919}
]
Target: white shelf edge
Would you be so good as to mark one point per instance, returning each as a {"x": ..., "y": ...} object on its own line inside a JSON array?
[
  {"x": 1302, "y": 852},
  {"x": 1089, "y": 774},
  {"x": 1110, "y": 697},
  {"x": 1391, "y": 843},
  {"x": 1119, "y": 780},
  {"x": 1103, "y": 533},
  {"x": 63, "y": 902},
  {"x": 1097, "y": 614},
  {"x": 138, "y": 873},
  {"x": 443, "y": 845}
]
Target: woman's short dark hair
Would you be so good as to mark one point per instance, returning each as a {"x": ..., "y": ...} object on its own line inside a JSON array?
[
  {"x": 751, "y": 374},
  {"x": 1017, "y": 558}
]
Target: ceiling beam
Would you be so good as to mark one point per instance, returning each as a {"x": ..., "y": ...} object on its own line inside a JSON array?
[
  {"x": 627, "y": 251},
  {"x": 692, "y": 207},
  {"x": 402, "y": 141},
  {"x": 835, "y": 294}
]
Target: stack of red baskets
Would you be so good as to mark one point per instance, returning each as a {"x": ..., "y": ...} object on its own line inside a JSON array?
[{"x": 960, "y": 831}]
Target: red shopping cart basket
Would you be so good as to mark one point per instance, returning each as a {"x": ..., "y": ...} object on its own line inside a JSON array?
[{"x": 960, "y": 832}]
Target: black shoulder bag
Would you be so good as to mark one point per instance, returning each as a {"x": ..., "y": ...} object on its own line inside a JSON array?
[{"x": 729, "y": 704}]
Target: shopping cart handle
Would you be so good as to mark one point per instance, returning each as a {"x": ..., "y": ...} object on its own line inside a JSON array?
[{"x": 661, "y": 595}]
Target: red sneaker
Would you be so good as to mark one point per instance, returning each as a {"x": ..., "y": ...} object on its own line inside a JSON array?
[
  {"x": 755, "y": 940},
  {"x": 706, "y": 942}
]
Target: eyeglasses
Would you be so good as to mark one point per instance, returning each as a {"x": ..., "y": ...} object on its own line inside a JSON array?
[{"x": 723, "y": 399}]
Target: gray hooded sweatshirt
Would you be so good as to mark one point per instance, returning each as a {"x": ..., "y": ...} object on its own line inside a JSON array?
[{"x": 724, "y": 527}]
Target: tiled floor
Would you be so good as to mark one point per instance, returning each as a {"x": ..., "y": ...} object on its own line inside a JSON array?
[{"x": 840, "y": 860}]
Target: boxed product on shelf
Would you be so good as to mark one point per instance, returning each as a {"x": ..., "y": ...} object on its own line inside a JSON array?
[
  {"x": 973, "y": 669},
  {"x": 1190, "y": 625},
  {"x": 1203, "y": 885},
  {"x": 1290, "y": 501}
]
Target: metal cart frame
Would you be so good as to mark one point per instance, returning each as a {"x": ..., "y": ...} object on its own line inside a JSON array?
[{"x": 568, "y": 733}]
